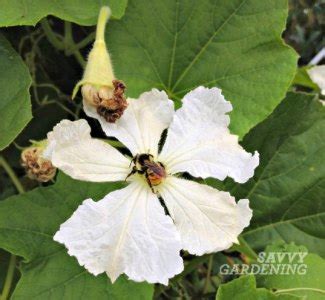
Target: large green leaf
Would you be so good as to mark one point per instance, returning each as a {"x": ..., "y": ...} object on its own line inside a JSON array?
[
  {"x": 306, "y": 282},
  {"x": 27, "y": 225},
  {"x": 303, "y": 280},
  {"x": 286, "y": 193},
  {"x": 15, "y": 106},
  {"x": 244, "y": 288},
  {"x": 29, "y": 12},
  {"x": 178, "y": 45}
]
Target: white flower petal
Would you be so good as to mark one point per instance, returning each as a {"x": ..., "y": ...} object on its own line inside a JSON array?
[
  {"x": 200, "y": 143},
  {"x": 207, "y": 219},
  {"x": 65, "y": 133},
  {"x": 317, "y": 75},
  {"x": 142, "y": 123},
  {"x": 126, "y": 232},
  {"x": 71, "y": 149}
]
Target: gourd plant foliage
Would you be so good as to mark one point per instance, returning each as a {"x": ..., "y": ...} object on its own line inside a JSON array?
[{"x": 174, "y": 46}]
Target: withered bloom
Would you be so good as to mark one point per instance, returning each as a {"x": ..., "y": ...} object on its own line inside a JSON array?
[
  {"x": 110, "y": 104},
  {"x": 99, "y": 87},
  {"x": 37, "y": 167}
]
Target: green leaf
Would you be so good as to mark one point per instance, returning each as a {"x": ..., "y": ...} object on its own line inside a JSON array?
[
  {"x": 17, "y": 12},
  {"x": 27, "y": 225},
  {"x": 178, "y": 45},
  {"x": 286, "y": 190},
  {"x": 245, "y": 288},
  {"x": 306, "y": 283},
  {"x": 15, "y": 106}
]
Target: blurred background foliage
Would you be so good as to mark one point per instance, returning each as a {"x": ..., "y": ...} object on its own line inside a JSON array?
[{"x": 306, "y": 28}]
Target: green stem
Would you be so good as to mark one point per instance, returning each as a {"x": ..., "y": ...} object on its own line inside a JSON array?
[
  {"x": 9, "y": 278},
  {"x": 300, "y": 289},
  {"x": 79, "y": 58},
  {"x": 67, "y": 42},
  {"x": 18, "y": 147},
  {"x": 103, "y": 17},
  {"x": 51, "y": 35},
  {"x": 13, "y": 259},
  {"x": 12, "y": 175},
  {"x": 87, "y": 40},
  {"x": 191, "y": 266},
  {"x": 63, "y": 107},
  {"x": 245, "y": 248},
  {"x": 207, "y": 280},
  {"x": 68, "y": 39},
  {"x": 115, "y": 143},
  {"x": 55, "y": 88}
]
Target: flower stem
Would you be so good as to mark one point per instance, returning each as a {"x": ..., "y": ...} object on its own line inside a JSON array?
[
  {"x": 51, "y": 35},
  {"x": 83, "y": 43},
  {"x": 189, "y": 267},
  {"x": 13, "y": 259},
  {"x": 103, "y": 17},
  {"x": 12, "y": 175},
  {"x": 66, "y": 43},
  {"x": 79, "y": 58},
  {"x": 9, "y": 278},
  {"x": 68, "y": 39},
  {"x": 69, "y": 44},
  {"x": 245, "y": 248},
  {"x": 207, "y": 280},
  {"x": 115, "y": 143}
]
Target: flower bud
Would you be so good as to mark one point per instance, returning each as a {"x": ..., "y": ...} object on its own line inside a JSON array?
[
  {"x": 37, "y": 167},
  {"x": 99, "y": 87}
]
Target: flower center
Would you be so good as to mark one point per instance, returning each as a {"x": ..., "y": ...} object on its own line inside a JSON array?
[{"x": 154, "y": 172}]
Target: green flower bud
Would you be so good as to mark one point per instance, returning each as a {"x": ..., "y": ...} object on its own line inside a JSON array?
[{"x": 99, "y": 87}]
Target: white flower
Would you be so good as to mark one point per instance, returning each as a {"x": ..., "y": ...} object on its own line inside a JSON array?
[
  {"x": 128, "y": 231},
  {"x": 317, "y": 75}
]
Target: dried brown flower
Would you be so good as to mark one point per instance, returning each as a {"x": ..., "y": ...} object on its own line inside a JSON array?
[
  {"x": 37, "y": 167},
  {"x": 112, "y": 108}
]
